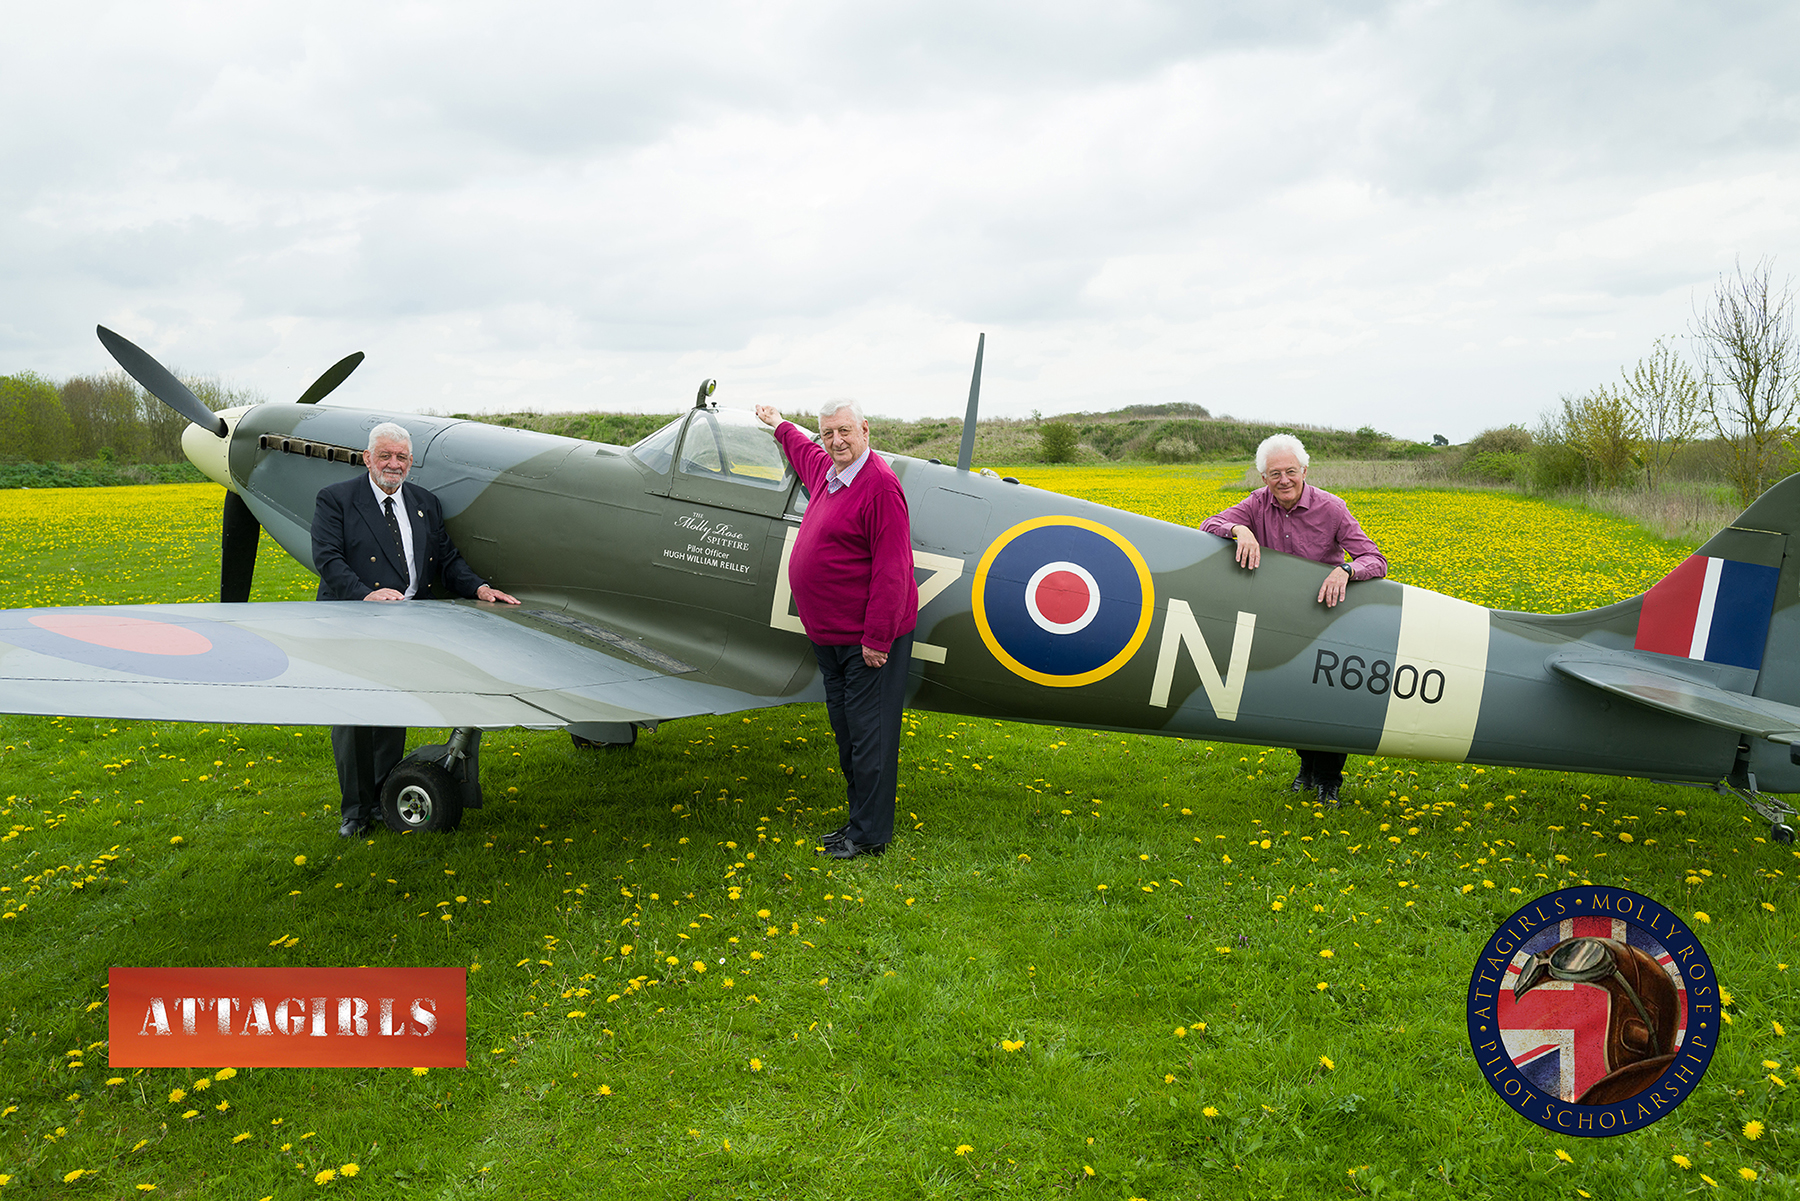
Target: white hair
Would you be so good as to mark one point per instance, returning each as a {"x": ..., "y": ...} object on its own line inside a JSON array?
[
  {"x": 1279, "y": 442},
  {"x": 387, "y": 431},
  {"x": 831, "y": 408}
]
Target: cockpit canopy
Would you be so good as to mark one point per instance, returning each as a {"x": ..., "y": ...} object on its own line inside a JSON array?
[{"x": 720, "y": 444}]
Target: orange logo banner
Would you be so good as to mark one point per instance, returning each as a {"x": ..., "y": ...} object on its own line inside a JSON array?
[{"x": 280, "y": 1017}]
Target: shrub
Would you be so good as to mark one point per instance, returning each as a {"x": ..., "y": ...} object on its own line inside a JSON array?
[{"x": 1056, "y": 442}]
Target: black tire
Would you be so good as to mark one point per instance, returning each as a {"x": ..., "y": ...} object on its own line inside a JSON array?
[
  {"x": 1782, "y": 834},
  {"x": 421, "y": 797}
]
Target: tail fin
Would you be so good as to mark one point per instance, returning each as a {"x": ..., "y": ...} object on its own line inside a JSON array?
[{"x": 1736, "y": 601}]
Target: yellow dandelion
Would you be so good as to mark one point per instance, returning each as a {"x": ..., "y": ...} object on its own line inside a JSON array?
[
  {"x": 1753, "y": 1130},
  {"x": 1321, "y": 986},
  {"x": 299, "y": 860},
  {"x": 1709, "y": 1180},
  {"x": 1747, "y": 1173},
  {"x": 1325, "y": 1062},
  {"x": 1326, "y": 953},
  {"x": 72, "y": 1177},
  {"x": 177, "y": 840},
  {"x": 348, "y": 1169},
  {"x": 1768, "y": 906},
  {"x": 1169, "y": 1078},
  {"x": 177, "y": 1095},
  {"x": 1564, "y": 1156},
  {"x": 1702, "y": 918},
  {"x": 699, "y": 967},
  {"x": 1779, "y": 1032},
  {"x": 1087, "y": 1169},
  {"x": 1181, "y": 1032},
  {"x": 242, "y": 1138},
  {"x": 1681, "y": 1161},
  {"x": 420, "y": 1071},
  {"x": 325, "y": 1176},
  {"x": 146, "y": 1188},
  {"x": 1211, "y": 1111},
  {"x": 964, "y": 1149}
]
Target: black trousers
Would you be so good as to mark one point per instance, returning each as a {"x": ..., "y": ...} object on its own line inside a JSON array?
[
  {"x": 365, "y": 755},
  {"x": 1322, "y": 768},
  {"x": 865, "y": 704}
]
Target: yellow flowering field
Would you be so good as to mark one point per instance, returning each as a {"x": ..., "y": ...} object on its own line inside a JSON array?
[
  {"x": 1090, "y": 963},
  {"x": 1493, "y": 548},
  {"x": 154, "y": 544}
]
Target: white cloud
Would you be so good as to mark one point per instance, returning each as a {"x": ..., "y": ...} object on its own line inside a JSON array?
[{"x": 1424, "y": 217}]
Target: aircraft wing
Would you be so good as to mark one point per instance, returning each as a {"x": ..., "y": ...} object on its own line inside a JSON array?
[
  {"x": 423, "y": 663},
  {"x": 1637, "y": 677}
]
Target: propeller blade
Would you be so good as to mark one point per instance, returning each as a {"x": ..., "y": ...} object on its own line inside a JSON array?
[
  {"x": 156, "y": 378},
  {"x": 967, "y": 454},
  {"x": 239, "y": 534},
  {"x": 336, "y": 374}
]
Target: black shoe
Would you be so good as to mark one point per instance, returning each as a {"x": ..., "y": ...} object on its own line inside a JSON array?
[
  {"x": 352, "y": 828},
  {"x": 1328, "y": 793},
  {"x": 836, "y": 835},
  {"x": 1302, "y": 783},
  {"x": 845, "y": 848}
]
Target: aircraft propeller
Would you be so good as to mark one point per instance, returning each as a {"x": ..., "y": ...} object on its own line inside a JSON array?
[
  {"x": 239, "y": 531},
  {"x": 160, "y": 383}
]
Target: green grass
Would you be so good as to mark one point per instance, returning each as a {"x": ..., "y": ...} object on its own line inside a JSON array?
[{"x": 1080, "y": 893}]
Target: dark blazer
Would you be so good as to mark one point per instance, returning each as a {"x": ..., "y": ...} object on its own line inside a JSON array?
[{"x": 353, "y": 549}]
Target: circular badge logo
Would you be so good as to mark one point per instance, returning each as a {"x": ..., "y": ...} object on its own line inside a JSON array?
[
  {"x": 1593, "y": 1011},
  {"x": 1062, "y": 601},
  {"x": 161, "y": 643}
]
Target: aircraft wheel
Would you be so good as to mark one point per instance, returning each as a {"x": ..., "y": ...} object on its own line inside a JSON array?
[
  {"x": 422, "y": 797},
  {"x": 1782, "y": 834}
]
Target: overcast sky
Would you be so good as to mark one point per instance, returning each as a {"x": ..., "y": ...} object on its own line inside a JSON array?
[{"x": 1425, "y": 217}]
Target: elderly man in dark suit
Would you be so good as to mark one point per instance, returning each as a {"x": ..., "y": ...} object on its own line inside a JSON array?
[{"x": 379, "y": 538}]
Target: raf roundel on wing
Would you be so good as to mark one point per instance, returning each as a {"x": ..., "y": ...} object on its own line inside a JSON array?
[
  {"x": 1062, "y": 601},
  {"x": 168, "y": 645}
]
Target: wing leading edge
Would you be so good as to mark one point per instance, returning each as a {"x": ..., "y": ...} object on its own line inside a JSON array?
[{"x": 424, "y": 663}]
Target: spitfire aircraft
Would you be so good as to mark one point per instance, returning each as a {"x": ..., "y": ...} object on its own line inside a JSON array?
[{"x": 654, "y": 586}]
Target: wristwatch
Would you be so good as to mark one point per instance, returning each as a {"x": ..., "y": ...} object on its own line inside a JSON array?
[{"x": 1349, "y": 571}]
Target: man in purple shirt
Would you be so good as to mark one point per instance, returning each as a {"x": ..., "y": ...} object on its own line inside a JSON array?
[
  {"x": 852, "y": 577},
  {"x": 1292, "y": 516}
]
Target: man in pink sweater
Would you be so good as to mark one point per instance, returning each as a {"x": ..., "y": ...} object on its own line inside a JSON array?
[
  {"x": 1292, "y": 516},
  {"x": 852, "y": 579}
]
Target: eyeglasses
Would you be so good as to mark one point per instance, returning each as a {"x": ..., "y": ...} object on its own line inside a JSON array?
[{"x": 1285, "y": 473}]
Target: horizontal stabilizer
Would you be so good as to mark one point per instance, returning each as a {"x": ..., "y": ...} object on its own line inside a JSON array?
[{"x": 1638, "y": 678}]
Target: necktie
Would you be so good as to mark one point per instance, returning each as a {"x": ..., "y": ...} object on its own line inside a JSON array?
[{"x": 387, "y": 506}]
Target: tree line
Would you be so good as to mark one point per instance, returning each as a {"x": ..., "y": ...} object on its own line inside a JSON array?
[
  {"x": 98, "y": 417},
  {"x": 1718, "y": 401}
]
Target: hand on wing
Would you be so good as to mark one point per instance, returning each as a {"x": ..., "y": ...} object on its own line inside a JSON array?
[
  {"x": 385, "y": 594},
  {"x": 769, "y": 415},
  {"x": 874, "y": 658},
  {"x": 1332, "y": 590},
  {"x": 487, "y": 592},
  {"x": 1249, "y": 550}
]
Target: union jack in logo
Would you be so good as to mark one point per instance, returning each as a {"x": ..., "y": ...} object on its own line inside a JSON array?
[{"x": 1556, "y": 1033}]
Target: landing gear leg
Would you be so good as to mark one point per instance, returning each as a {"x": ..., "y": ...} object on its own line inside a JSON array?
[{"x": 1765, "y": 805}]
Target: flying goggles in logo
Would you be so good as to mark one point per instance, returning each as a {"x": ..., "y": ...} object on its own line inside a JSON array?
[{"x": 1642, "y": 1014}]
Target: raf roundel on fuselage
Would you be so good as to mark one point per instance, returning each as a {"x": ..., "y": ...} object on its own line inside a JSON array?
[{"x": 1062, "y": 601}]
